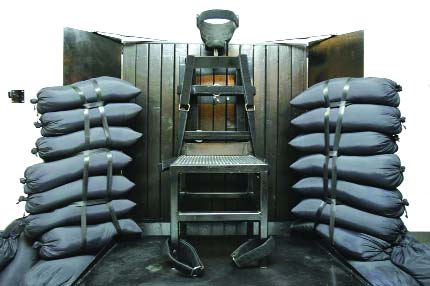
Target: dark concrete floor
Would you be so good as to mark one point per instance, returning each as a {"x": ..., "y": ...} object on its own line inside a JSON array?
[{"x": 295, "y": 262}]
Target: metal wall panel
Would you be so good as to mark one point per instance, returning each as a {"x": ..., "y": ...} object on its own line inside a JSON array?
[
  {"x": 87, "y": 55},
  {"x": 278, "y": 73},
  {"x": 338, "y": 56}
]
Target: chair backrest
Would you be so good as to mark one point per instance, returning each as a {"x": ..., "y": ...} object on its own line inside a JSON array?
[{"x": 231, "y": 142}]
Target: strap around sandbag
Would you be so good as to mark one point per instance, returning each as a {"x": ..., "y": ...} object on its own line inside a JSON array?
[
  {"x": 185, "y": 259},
  {"x": 250, "y": 253},
  {"x": 84, "y": 199},
  {"x": 109, "y": 192},
  {"x": 331, "y": 154},
  {"x": 80, "y": 93}
]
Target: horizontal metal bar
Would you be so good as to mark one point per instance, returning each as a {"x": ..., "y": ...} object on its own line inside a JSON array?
[
  {"x": 151, "y": 228},
  {"x": 219, "y": 216},
  {"x": 217, "y": 195},
  {"x": 217, "y": 89},
  {"x": 242, "y": 169},
  {"x": 217, "y": 135},
  {"x": 222, "y": 90},
  {"x": 216, "y": 62}
]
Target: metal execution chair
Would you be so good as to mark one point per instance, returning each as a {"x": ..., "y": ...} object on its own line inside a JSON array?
[{"x": 236, "y": 156}]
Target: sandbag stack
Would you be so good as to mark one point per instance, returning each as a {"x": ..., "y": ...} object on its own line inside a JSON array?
[
  {"x": 349, "y": 174},
  {"x": 76, "y": 198}
]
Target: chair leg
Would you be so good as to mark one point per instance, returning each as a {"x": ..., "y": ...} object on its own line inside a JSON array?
[
  {"x": 174, "y": 224},
  {"x": 263, "y": 205}
]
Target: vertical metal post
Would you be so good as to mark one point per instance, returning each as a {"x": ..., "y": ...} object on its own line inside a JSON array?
[
  {"x": 174, "y": 224},
  {"x": 263, "y": 205}
]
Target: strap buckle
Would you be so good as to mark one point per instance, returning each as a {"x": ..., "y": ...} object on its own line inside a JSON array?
[
  {"x": 196, "y": 271},
  {"x": 184, "y": 107},
  {"x": 249, "y": 107},
  {"x": 332, "y": 154}
]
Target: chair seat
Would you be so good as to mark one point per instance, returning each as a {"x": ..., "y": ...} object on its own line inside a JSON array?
[{"x": 218, "y": 164}]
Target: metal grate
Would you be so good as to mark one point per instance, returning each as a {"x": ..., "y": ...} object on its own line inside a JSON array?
[{"x": 216, "y": 160}]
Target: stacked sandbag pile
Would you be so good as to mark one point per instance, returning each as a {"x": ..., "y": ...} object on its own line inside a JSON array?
[
  {"x": 76, "y": 198},
  {"x": 349, "y": 175}
]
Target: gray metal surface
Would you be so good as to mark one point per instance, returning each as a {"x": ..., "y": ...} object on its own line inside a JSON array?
[
  {"x": 297, "y": 261},
  {"x": 87, "y": 55},
  {"x": 338, "y": 56},
  {"x": 217, "y": 160},
  {"x": 214, "y": 228}
]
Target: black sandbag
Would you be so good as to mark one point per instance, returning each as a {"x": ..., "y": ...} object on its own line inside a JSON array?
[
  {"x": 9, "y": 241},
  {"x": 25, "y": 258},
  {"x": 64, "y": 122},
  {"x": 58, "y": 272},
  {"x": 382, "y": 202},
  {"x": 64, "y": 97},
  {"x": 357, "y": 118},
  {"x": 383, "y": 171},
  {"x": 52, "y": 148},
  {"x": 357, "y": 246},
  {"x": 67, "y": 241},
  {"x": 366, "y": 90},
  {"x": 351, "y": 244},
  {"x": 383, "y": 273},
  {"x": 414, "y": 259},
  {"x": 71, "y": 215},
  {"x": 72, "y": 192},
  {"x": 45, "y": 176},
  {"x": 8, "y": 247},
  {"x": 355, "y": 143},
  {"x": 388, "y": 229}
]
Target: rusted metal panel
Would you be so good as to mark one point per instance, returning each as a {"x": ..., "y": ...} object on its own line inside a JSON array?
[
  {"x": 338, "y": 56},
  {"x": 87, "y": 55}
]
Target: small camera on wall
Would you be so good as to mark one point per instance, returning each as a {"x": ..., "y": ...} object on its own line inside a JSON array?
[{"x": 16, "y": 96}]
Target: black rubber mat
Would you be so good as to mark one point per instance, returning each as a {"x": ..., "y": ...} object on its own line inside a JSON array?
[{"x": 295, "y": 262}]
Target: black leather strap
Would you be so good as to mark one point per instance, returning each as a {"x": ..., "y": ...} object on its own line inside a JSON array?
[
  {"x": 105, "y": 125},
  {"x": 109, "y": 174},
  {"x": 333, "y": 154},
  {"x": 84, "y": 199},
  {"x": 97, "y": 90},
  {"x": 114, "y": 218},
  {"x": 87, "y": 129},
  {"x": 326, "y": 137},
  {"x": 249, "y": 100},
  {"x": 250, "y": 253},
  {"x": 184, "y": 102},
  {"x": 80, "y": 93},
  {"x": 185, "y": 259}
]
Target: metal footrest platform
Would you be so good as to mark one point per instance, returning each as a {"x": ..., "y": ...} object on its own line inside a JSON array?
[{"x": 218, "y": 164}]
